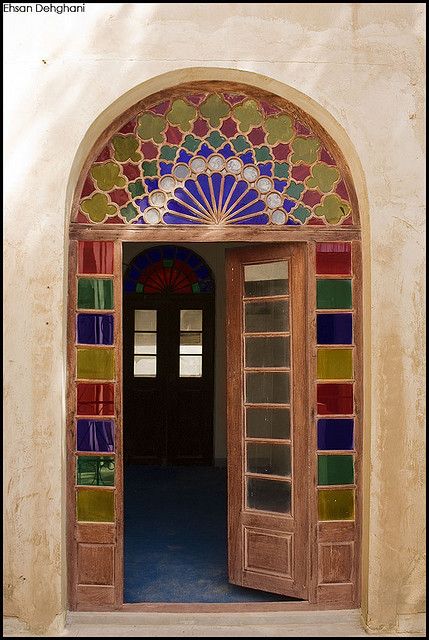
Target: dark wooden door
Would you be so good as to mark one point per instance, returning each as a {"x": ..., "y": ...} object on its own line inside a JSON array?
[
  {"x": 168, "y": 378},
  {"x": 267, "y": 424}
]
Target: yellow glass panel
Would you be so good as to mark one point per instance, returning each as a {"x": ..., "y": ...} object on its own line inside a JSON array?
[
  {"x": 334, "y": 364},
  {"x": 95, "y": 364},
  {"x": 336, "y": 504},
  {"x": 95, "y": 505}
]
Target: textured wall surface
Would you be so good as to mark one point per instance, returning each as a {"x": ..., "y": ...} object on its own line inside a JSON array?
[{"x": 363, "y": 63}]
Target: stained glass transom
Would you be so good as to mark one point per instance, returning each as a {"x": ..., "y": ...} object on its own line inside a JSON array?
[
  {"x": 168, "y": 269},
  {"x": 217, "y": 158}
]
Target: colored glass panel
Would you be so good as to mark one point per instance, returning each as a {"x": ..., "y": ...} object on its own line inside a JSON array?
[
  {"x": 335, "y": 470},
  {"x": 333, "y": 258},
  {"x": 95, "y": 435},
  {"x": 266, "y": 279},
  {"x": 95, "y": 364},
  {"x": 335, "y": 398},
  {"x": 271, "y": 459},
  {"x": 266, "y": 316},
  {"x": 268, "y": 495},
  {"x": 95, "y": 470},
  {"x": 336, "y": 504},
  {"x": 334, "y": 364},
  {"x": 267, "y": 387},
  {"x": 168, "y": 269},
  {"x": 95, "y": 257},
  {"x": 334, "y": 294},
  {"x": 95, "y": 505},
  {"x": 335, "y": 434},
  {"x": 94, "y": 293},
  {"x": 95, "y": 399},
  {"x": 334, "y": 328},
  {"x": 263, "y": 422},
  {"x": 267, "y": 352},
  {"x": 94, "y": 328}
]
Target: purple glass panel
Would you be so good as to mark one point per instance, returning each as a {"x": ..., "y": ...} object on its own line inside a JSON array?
[
  {"x": 151, "y": 184},
  {"x": 246, "y": 199},
  {"x": 227, "y": 186},
  {"x": 95, "y": 435},
  {"x": 334, "y": 328},
  {"x": 94, "y": 328},
  {"x": 335, "y": 434}
]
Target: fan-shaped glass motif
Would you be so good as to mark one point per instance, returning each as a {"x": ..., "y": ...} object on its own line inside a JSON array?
[{"x": 168, "y": 269}]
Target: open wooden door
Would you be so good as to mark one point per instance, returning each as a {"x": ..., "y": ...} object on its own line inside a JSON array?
[{"x": 267, "y": 419}]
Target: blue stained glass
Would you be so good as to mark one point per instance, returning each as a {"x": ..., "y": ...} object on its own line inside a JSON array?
[
  {"x": 253, "y": 208},
  {"x": 95, "y": 435},
  {"x": 247, "y": 198},
  {"x": 139, "y": 221},
  {"x": 280, "y": 185},
  {"x": 266, "y": 169},
  {"x": 141, "y": 261},
  {"x": 154, "y": 254},
  {"x": 247, "y": 157},
  {"x": 335, "y": 434},
  {"x": 334, "y": 328},
  {"x": 182, "y": 253},
  {"x": 194, "y": 260},
  {"x": 142, "y": 203},
  {"x": 240, "y": 188},
  {"x": 169, "y": 218},
  {"x": 134, "y": 273},
  {"x": 228, "y": 184},
  {"x": 202, "y": 272},
  {"x": 216, "y": 182},
  {"x": 292, "y": 223},
  {"x": 130, "y": 286},
  {"x": 94, "y": 328},
  {"x": 169, "y": 252},
  {"x": 151, "y": 183},
  {"x": 193, "y": 189},
  {"x": 184, "y": 156},
  {"x": 288, "y": 204},
  {"x": 203, "y": 181},
  {"x": 205, "y": 151},
  {"x": 184, "y": 197},
  {"x": 177, "y": 207},
  {"x": 165, "y": 168},
  {"x": 227, "y": 151},
  {"x": 263, "y": 219}
]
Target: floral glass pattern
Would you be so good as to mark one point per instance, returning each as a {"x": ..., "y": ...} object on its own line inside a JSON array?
[{"x": 216, "y": 158}]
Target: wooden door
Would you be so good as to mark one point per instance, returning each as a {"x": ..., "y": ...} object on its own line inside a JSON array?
[
  {"x": 267, "y": 419},
  {"x": 168, "y": 379}
]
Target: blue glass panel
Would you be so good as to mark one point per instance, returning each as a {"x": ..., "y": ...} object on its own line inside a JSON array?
[
  {"x": 263, "y": 219},
  {"x": 216, "y": 182},
  {"x": 247, "y": 157},
  {"x": 194, "y": 260},
  {"x": 184, "y": 197},
  {"x": 240, "y": 188},
  {"x": 142, "y": 203},
  {"x": 202, "y": 272},
  {"x": 169, "y": 252},
  {"x": 130, "y": 286},
  {"x": 141, "y": 261},
  {"x": 151, "y": 184},
  {"x": 266, "y": 169},
  {"x": 205, "y": 151},
  {"x": 139, "y": 221},
  {"x": 184, "y": 156},
  {"x": 177, "y": 207},
  {"x": 165, "y": 168},
  {"x": 94, "y": 328},
  {"x": 154, "y": 254},
  {"x": 203, "y": 181},
  {"x": 191, "y": 186},
  {"x": 280, "y": 185},
  {"x": 335, "y": 434},
  {"x": 246, "y": 198},
  {"x": 95, "y": 435},
  {"x": 228, "y": 184},
  {"x": 288, "y": 204},
  {"x": 334, "y": 328},
  {"x": 253, "y": 208},
  {"x": 134, "y": 273},
  {"x": 227, "y": 151},
  {"x": 292, "y": 223},
  {"x": 182, "y": 254},
  {"x": 169, "y": 218}
]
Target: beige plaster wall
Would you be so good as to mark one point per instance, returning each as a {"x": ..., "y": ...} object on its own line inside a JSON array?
[{"x": 362, "y": 63}]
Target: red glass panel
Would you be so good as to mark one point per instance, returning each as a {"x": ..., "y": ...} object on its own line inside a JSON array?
[
  {"x": 335, "y": 399},
  {"x": 95, "y": 257},
  {"x": 95, "y": 399},
  {"x": 333, "y": 258}
]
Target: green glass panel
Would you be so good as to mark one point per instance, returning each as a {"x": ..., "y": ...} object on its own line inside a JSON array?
[
  {"x": 334, "y": 294},
  {"x": 336, "y": 504},
  {"x": 95, "y": 364},
  {"x": 335, "y": 470},
  {"x": 96, "y": 470},
  {"x": 95, "y": 505},
  {"x": 334, "y": 364},
  {"x": 94, "y": 293}
]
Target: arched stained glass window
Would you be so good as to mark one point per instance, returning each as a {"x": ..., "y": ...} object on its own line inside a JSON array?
[{"x": 168, "y": 269}]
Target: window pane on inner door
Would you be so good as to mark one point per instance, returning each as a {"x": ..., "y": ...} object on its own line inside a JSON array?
[{"x": 145, "y": 342}]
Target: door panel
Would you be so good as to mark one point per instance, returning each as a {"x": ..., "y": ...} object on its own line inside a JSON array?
[{"x": 267, "y": 425}]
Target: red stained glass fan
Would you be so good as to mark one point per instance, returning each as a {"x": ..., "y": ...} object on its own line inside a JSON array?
[{"x": 168, "y": 269}]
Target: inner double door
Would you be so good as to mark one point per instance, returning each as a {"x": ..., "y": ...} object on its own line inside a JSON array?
[{"x": 168, "y": 379}]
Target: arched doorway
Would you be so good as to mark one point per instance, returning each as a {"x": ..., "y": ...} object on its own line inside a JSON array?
[{"x": 212, "y": 162}]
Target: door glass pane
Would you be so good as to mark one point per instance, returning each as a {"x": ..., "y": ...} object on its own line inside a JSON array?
[
  {"x": 267, "y": 352},
  {"x": 268, "y": 495},
  {"x": 191, "y": 366},
  {"x": 262, "y": 317},
  {"x": 95, "y": 505},
  {"x": 191, "y": 343},
  {"x": 96, "y": 470},
  {"x": 335, "y": 470},
  {"x": 95, "y": 364},
  {"x": 267, "y": 387},
  {"x": 336, "y": 504},
  {"x": 191, "y": 320},
  {"x": 273, "y": 459},
  {"x": 267, "y": 279},
  {"x": 267, "y": 423},
  {"x": 145, "y": 366},
  {"x": 144, "y": 343},
  {"x": 145, "y": 320},
  {"x": 334, "y": 364}
]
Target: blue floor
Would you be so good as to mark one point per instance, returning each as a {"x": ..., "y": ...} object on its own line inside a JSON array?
[{"x": 176, "y": 537}]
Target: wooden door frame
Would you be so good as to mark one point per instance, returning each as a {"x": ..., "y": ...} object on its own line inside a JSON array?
[{"x": 319, "y": 533}]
